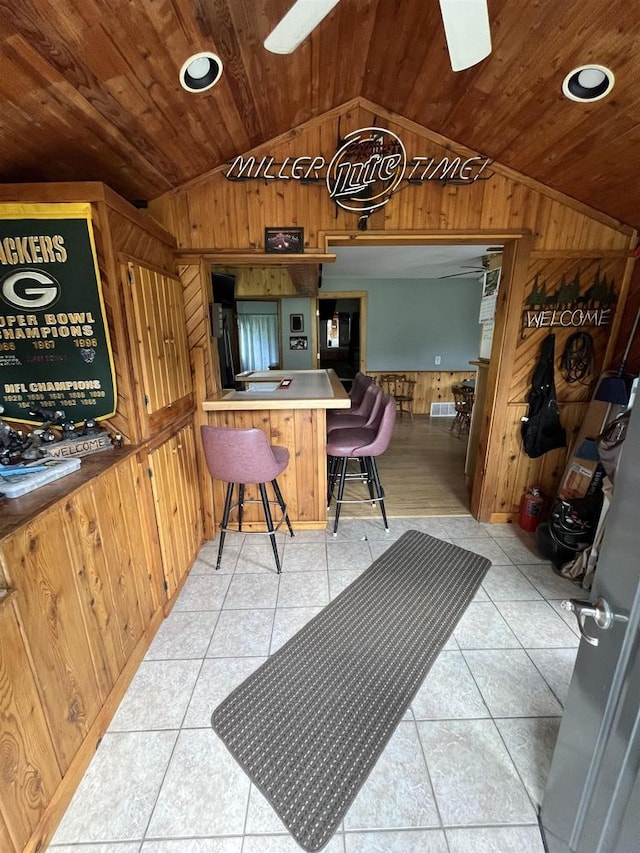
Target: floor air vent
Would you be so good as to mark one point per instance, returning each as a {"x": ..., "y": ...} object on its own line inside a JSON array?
[{"x": 443, "y": 410}]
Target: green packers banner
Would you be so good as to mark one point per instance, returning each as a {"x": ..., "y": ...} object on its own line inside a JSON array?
[{"x": 55, "y": 351}]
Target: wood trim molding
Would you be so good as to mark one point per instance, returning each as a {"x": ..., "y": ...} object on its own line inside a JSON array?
[
  {"x": 453, "y": 237},
  {"x": 493, "y": 424},
  {"x": 252, "y": 259}
]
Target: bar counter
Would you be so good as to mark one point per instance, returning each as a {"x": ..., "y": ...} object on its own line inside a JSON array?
[
  {"x": 264, "y": 390},
  {"x": 292, "y": 415}
]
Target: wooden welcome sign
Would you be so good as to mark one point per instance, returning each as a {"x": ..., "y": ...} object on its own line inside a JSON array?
[
  {"x": 567, "y": 307},
  {"x": 55, "y": 352}
]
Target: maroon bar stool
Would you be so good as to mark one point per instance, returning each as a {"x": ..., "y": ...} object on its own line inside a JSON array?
[
  {"x": 366, "y": 414},
  {"x": 364, "y": 444},
  {"x": 359, "y": 385},
  {"x": 241, "y": 456}
]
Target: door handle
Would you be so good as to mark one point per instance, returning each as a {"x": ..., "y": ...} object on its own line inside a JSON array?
[{"x": 600, "y": 611}]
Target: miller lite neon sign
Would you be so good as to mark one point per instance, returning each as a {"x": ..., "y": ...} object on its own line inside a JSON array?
[{"x": 369, "y": 166}]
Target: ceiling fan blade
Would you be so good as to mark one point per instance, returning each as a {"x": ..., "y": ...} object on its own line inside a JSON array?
[
  {"x": 301, "y": 19},
  {"x": 466, "y": 27},
  {"x": 456, "y": 274}
]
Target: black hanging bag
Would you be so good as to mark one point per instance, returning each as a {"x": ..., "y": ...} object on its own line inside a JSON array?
[{"x": 541, "y": 429}]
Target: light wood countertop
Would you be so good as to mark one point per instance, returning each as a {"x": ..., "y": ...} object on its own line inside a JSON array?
[{"x": 309, "y": 389}]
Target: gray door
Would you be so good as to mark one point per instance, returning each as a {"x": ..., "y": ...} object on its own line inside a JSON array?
[{"x": 592, "y": 800}]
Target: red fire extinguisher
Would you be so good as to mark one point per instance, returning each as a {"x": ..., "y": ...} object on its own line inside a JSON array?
[{"x": 531, "y": 509}]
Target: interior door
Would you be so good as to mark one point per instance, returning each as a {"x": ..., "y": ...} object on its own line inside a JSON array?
[{"x": 592, "y": 800}]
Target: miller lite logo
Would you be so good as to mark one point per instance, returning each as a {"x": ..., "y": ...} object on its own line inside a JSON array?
[{"x": 366, "y": 170}]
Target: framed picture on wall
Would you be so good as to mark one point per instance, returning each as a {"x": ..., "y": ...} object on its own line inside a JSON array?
[
  {"x": 296, "y": 323},
  {"x": 285, "y": 241},
  {"x": 299, "y": 342}
]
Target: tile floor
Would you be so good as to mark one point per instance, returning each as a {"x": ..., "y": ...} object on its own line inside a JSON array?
[{"x": 463, "y": 773}]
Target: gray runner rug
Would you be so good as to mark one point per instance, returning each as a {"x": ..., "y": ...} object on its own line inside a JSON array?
[{"x": 310, "y": 723}]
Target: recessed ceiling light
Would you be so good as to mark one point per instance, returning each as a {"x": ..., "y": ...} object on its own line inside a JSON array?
[
  {"x": 588, "y": 83},
  {"x": 200, "y": 72}
]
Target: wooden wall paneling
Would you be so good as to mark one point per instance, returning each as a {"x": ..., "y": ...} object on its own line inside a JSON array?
[
  {"x": 200, "y": 418},
  {"x": 191, "y": 500},
  {"x": 125, "y": 421},
  {"x": 29, "y": 772},
  {"x": 515, "y": 468},
  {"x": 52, "y": 622},
  {"x": 88, "y": 542},
  {"x": 422, "y": 393},
  {"x": 180, "y": 380},
  {"x": 188, "y": 524},
  {"x": 432, "y": 386},
  {"x": 116, "y": 563},
  {"x": 310, "y": 430},
  {"x": 150, "y": 302},
  {"x": 150, "y": 525},
  {"x": 617, "y": 324},
  {"x": 304, "y": 278},
  {"x": 163, "y": 484},
  {"x": 6, "y": 843},
  {"x": 263, "y": 281},
  {"x": 487, "y": 474},
  {"x": 141, "y": 240},
  {"x": 282, "y": 432},
  {"x": 550, "y": 272},
  {"x": 508, "y": 200},
  {"x": 161, "y": 338},
  {"x": 177, "y": 500},
  {"x": 164, "y": 327},
  {"x": 519, "y": 471},
  {"x": 632, "y": 307},
  {"x": 134, "y": 497},
  {"x": 196, "y": 286}
]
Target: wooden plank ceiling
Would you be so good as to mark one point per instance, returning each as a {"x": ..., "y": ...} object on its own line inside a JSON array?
[{"x": 89, "y": 88}]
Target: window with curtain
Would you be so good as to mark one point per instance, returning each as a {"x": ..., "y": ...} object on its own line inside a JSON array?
[{"x": 258, "y": 341}]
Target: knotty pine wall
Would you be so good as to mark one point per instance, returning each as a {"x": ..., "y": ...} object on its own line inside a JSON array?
[
  {"x": 432, "y": 386},
  {"x": 553, "y": 237}
]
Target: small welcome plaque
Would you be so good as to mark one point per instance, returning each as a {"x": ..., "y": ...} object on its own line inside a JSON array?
[{"x": 82, "y": 446}]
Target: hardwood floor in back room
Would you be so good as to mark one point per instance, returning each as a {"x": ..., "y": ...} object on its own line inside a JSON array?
[{"x": 422, "y": 472}]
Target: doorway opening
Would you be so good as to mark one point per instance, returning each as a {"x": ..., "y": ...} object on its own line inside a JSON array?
[
  {"x": 340, "y": 332},
  {"x": 423, "y": 321}
]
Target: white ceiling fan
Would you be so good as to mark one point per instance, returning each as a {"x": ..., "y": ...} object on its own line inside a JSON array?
[{"x": 466, "y": 27}]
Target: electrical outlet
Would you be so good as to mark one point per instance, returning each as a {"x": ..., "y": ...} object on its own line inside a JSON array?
[{"x": 438, "y": 359}]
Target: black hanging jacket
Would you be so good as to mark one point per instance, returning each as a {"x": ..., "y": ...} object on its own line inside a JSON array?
[{"x": 541, "y": 429}]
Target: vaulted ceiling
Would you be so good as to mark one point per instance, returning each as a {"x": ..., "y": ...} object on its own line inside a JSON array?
[{"x": 89, "y": 88}]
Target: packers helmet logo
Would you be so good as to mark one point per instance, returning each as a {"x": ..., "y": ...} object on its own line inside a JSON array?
[{"x": 29, "y": 290}]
